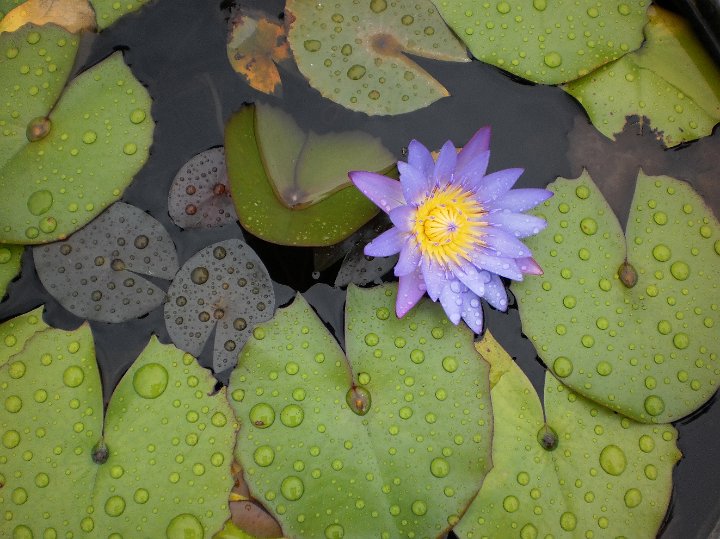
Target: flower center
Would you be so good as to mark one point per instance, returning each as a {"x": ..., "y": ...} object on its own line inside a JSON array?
[{"x": 448, "y": 225}]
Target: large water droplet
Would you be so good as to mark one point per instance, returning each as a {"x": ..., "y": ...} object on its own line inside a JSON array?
[
  {"x": 613, "y": 460},
  {"x": 262, "y": 415},
  {"x": 115, "y": 506},
  {"x": 185, "y": 526},
  {"x": 292, "y": 488},
  {"x": 38, "y": 128},
  {"x": 358, "y": 399},
  {"x": 292, "y": 415},
  {"x": 150, "y": 380}
]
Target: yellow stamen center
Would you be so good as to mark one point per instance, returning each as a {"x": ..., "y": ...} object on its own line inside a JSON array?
[{"x": 448, "y": 225}]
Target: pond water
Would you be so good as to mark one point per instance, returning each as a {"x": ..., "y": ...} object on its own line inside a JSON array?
[{"x": 177, "y": 49}]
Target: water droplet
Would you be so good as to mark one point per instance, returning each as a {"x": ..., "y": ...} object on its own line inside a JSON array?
[
  {"x": 356, "y": 72},
  {"x": 562, "y": 366},
  {"x": 292, "y": 488},
  {"x": 510, "y": 504},
  {"x": 680, "y": 270},
  {"x": 378, "y": 6},
  {"x": 633, "y": 497},
  {"x": 681, "y": 341},
  {"x": 661, "y": 253},
  {"x": 569, "y": 302},
  {"x": 553, "y": 59},
  {"x": 264, "y": 455},
  {"x": 613, "y": 460},
  {"x": 130, "y": 148},
  {"x": 38, "y": 128},
  {"x": 568, "y": 521},
  {"x": 371, "y": 339},
  {"x": 450, "y": 364},
  {"x": 137, "y": 116},
  {"x": 40, "y": 202},
  {"x": 11, "y": 439},
  {"x": 646, "y": 443},
  {"x": 262, "y": 415},
  {"x": 115, "y": 506},
  {"x": 292, "y": 415},
  {"x": 419, "y": 507},
  {"x": 199, "y": 275},
  {"x": 13, "y": 404},
  {"x": 150, "y": 380},
  {"x": 312, "y": 45},
  {"x": 73, "y": 376},
  {"x": 185, "y": 526},
  {"x": 540, "y": 5},
  {"x": 336, "y": 531},
  {"x": 358, "y": 399},
  {"x": 628, "y": 274}
]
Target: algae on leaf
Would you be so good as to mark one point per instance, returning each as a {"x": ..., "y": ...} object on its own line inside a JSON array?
[
  {"x": 670, "y": 80},
  {"x": 391, "y": 438},
  {"x": 629, "y": 321},
  {"x": 575, "y": 469}
]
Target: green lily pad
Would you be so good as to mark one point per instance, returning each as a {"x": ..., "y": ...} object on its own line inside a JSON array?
[
  {"x": 108, "y": 12},
  {"x": 649, "y": 351},
  {"x": 83, "y": 155},
  {"x": 10, "y": 261},
  {"x": 15, "y": 332},
  {"x": 547, "y": 41},
  {"x": 162, "y": 468},
  {"x": 575, "y": 470},
  {"x": 394, "y": 439},
  {"x": 340, "y": 209},
  {"x": 671, "y": 80},
  {"x": 354, "y": 52}
]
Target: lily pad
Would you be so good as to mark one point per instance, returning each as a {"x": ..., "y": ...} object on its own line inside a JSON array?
[
  {"x": 15, "y": 332},
  {"x": 547, "y": 41},
  {"x": 671, "y": 80},
  {"x": 255, "y": 45},
  {"x": 224, "y": 288},
  {"x": 361, "y": 269},
  {"x": 59, "y": 172},
  {"x": 200, "y": 195},
  {"x": 108, "y": 12},
  {"x": 575, "y": 469},
  {"x": 10, "y": 261},
  {"x": 302, "y": 170},
  {"x": 629, "y": 321},
  {"x": 73, "y": 15},
  {"x": 95, "y": 274},
  {"x": 354, "y": 52},
  {"x": 394, "y": 439},
  {"x": 161, "y": 469}
]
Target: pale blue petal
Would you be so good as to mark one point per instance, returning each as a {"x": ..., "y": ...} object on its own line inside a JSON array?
[
  {"x": 383, "y": 191},
  {"x": 409, "y": 260},
  {"x": 519, "y": 200},
  {"x": 504, "y": 244},
  {"x": 386, "y": 244},
  {"x": 472, "y": 278},
  {"x": 435, "y": 278},
  {"x": 505, "y": 267},
  {"x": 518, "y": 224},
  {"x": 410, "y": 289},
  {"x": 451, "y": 300},
  {"x": 495, "y": 185},
  {"x": 420, "y": 158},
  {"x": 403, "y": 217},
  {"x": 474, "y": 170},
  {"x": 445, "y": 165},
  {"x": 416, "y": 186},
  {"x": 495, "y": 293},
  {"x": 472, "y": 311},
  {"x": 529, "y": 266},
  {"x": 479, "y": 143}
]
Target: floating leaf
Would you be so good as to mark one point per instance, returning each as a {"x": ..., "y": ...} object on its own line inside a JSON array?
[
  {"x": 394, "y": 439},
  {"x": 10, "y": 261},
  {"x": 95, "y": 274},
  {"x": 225, "y": 288},
  {"x": 354, "y": 52},
  {"x": 73, "y": 15},
  {"x": 313, "y": 169},
  {"x": 547, "y": 41},
  {"x": 629, "y": 325},
  {"x": 77, "y": 160},
  {"x": 576, "y": 470},
  {"x": 108, "y": 12},
  {"x": 255, "y": 45},
  {"x": 200, "y": 195},
  {"x": 162, "y": 468},
  {"x": 15, "y": 332},
  {"x": 671, "y": 80},
  {"x": 361, "y": 269}
]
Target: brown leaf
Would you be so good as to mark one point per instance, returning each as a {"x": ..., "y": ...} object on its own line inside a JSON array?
[{"x": 73, "y": 15}]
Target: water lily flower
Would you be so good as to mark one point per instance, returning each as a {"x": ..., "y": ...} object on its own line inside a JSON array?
[{"x": 457, "y": 229}]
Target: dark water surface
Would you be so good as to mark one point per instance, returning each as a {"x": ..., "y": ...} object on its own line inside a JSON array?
[{"x": 177, "y": 49}]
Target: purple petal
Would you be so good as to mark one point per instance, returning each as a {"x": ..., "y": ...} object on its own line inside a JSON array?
[
  {"x": 386, "y": 244},
  {"x": 409, "y": 260},
  {"x": 474, "y": 170},
  {"x": 420, "y": 158},
  {"x": 403, "y": 217},
  {"x": 504, "y": 244},
  {"x": 495, "y": 293},
  {"x": 451, "y": 300},
  {"x": 434, "y": 276},
  {"x": 472, "y": 311},
  {"x": 415, "y": 184},
  {"x": 518, "y": 224},
  {"x": 383, "y": 191},
  {"x": 472, "y": 278},
  {"x": 410, "y": 289},
  {"x": 496, "y": 184},
  {"x": 519, "y": 200},
  {"x": 445, "y": 164},
  {"x": 506, "y": 267},
  {"x": 478, "y": 143},
  {"x": 528, "y": 266}
]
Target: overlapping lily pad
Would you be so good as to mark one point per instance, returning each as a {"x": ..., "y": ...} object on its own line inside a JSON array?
[
  {"x": 292, "y": 188},
  {"x": 64, "y": 160},
  {"x": 671, "y": 80},
  {"x": 629, "y": 321},
  {"x": 575, "y": 469},
  {"x": 15, "y": 332},
  {"x": 95, "y": 274},
  {"x": 394, "y": 439},
  {"x": 200, "y": 195},
  {"x": 73, "y": 15},
  {"x": 355, "y": 52},
  {"x": 224, "y": 288},
  {"x": 547, "y": 41},
  {"x": 361, "y": 269},
  {"x": 10, "y": 260},
  {"x": 162, "y": 468}
]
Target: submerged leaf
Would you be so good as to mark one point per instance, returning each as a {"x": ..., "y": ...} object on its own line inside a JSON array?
[
  {"x": 200, "y": 195},
  {"x": 575, "y": 470},
  {"x": 255, "y": 45},
  {"x": 648, "y": 350},
  {"x": 361, "y": 269},
  {"x": 73, "y": 15},
  {"x": 547, "y": 41},
  {"x": 354, "y": 52},
  {"x": 10, "y": 261},
  {"x": 224, "y": 288},
  {"x": 95, "y": 274},
  {"x": 395, "y": 438},
  {"x": 671, "y": 80}
]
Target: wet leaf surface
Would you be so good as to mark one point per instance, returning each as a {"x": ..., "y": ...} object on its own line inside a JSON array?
[
  {"x": 200, "y": 195},
  {"x": 166, "y": 450},
  {"x": 361, "y": 269},
  {"x": 395, "y": 437},
  {"x": 547, "y": 41},
  {"x": 575, "y": 469},
  {"x": 14, "y": 333},
  {"x": 354, "y": 53},
  {"x": 108, "y": 12},
  {"x": 648, "y": 349},
  {"x": 72, "y": 15},
  {"x": 224, "y": 288},
  {"x": 10, "y": 260},
  {"x": 671, "y": 80},
  {"x": 95, "y": 274}
]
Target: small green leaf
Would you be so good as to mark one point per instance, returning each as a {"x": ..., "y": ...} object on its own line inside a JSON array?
[
  {"x": 10, "y": 262},
  {"x": 394, "y": 439},
  {"x": 547, "y": 41},
  {"x": 575, "y": 470},
  {"x": 671, "y": 80},
  {"x": 632, "y": 326}
]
